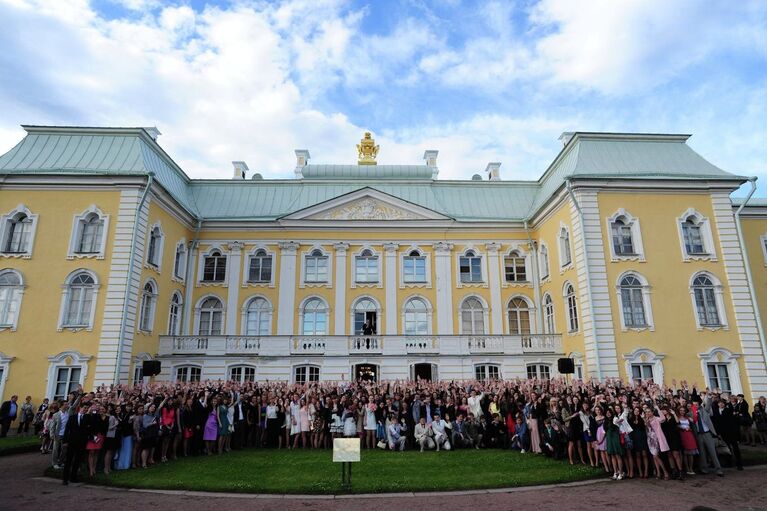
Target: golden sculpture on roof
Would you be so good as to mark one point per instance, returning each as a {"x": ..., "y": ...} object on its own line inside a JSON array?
[{"x": 367, "y": 149}]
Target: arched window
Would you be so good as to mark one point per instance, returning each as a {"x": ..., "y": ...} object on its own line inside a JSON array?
[
  {"x": 544, "y": 257},
  {"x": 260, "y": 267},
  {"x": 10, "y": 298},
  {"x": 154, "y": 251},
  {"x": 365, "y": 309},
  {"x": 623, "y": 241},
  {"x": 258, "y": 317},
  {"x": 19, "y": 232},
  {"x": 706, "y": 301},
  {"x": 316, "y": 267},
  {"x": 514, "y": 267},
  {"x": 565, "y": 256},
  {"x": 416, "y": 317},
  {"x": 366, "y": 267},
  {"x": 148, "y": 298},
  {"x": 211, "y": 316},
  {"x": 315, "y": 321},
  {"x": 470, "y": 267},
  {"x": 214, "y": 269},
  {"x": 414, "y": 267},
  {"x": 548, "y": 315},
  {"x": 572, "y": 308},
  {"x": 79, "y": 303},
  {"x": 472, "y": 316},
  {"x": 632, "y": 302},
  {"x": 174, "y": 314},
  {"x": 519, "y": 317},
  {"x": 693, "y": 236},
  {"x": 91, "y": 232}
]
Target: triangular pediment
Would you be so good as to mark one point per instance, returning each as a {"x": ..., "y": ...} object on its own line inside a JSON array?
[{"x": 366, "y": 205}]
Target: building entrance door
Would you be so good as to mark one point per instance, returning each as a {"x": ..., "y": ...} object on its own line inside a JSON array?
[
  {"x": 422, "y": 371},
  {"x": 366, "y": 372}
]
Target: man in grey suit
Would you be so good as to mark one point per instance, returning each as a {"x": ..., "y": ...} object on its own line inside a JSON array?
[{"x": 706, "y": 433}]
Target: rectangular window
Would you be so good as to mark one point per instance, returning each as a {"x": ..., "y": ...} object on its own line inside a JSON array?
[
  {"x": 414, "y": 268},
  {"x": 693, "y": 239},
  {"x": 705, "y": 301},
  {"x": 471, "y": 269},
  {"x": 138, "y": 373},
  {"x": 480, "y": 372},
  {"x": 260, "y": 269},
  {"x": 641, "y": 372},
  {"x": 188, "y": 374},
  {"x": 366, "y": 269},
  {"x": 67, "y": 380},
  {"x": 178, "y": 263},
  {"x": 539, "y": 371},
  {"x": 305, "y": 374},
  {"x": 719, "y": 377},
  {"x": 514, "y": 269},
  {"x": 316, "y": 269},
  {"x": 214, "y": 269}
]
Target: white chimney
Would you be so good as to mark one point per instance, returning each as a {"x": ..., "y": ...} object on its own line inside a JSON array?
[
  {"x": 240, "y": 168},
  {"x": 302, "y": 160},
  {"x": 430, "y": 156},
  {"x": 153, "y": 132},
  {"x": 566, "y": 136},
  {"x": 493, "y": 171}
]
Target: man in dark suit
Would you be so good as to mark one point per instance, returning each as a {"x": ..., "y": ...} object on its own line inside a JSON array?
[
  {"x": 728, "y": 427},
  {"x": 241, "y": 411},
  {"x": 8, "y": 412},
  {"x": 75, "y": 438}
]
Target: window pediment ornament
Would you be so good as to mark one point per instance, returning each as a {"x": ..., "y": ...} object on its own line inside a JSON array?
[{"x": 22, "y": 243}]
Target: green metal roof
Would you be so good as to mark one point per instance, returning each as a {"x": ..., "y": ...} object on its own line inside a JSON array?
[{"x": 132, "y": 151}]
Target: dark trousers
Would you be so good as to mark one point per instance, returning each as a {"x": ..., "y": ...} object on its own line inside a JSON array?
[
  {"x": 73, "y": 459},
  {"x": 23, "y": 427},
  {"x": 272, "y": 432},
  {"x": 735, "y": 450},
  {"x": 240, "y": 436},
  {"x": 5, "y": 425}
]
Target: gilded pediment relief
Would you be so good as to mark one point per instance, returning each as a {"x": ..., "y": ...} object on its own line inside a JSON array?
[{"x": 366, "y": 208}]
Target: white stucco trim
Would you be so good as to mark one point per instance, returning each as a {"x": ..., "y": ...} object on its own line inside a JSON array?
[
  {"x": 198, "y": 310},
  {"x": 483, "y": 282},
  {"x": 353, "y": 309},
  {"x": 65, "y": 289},
  {"x": 5, "y": 226},
  {"x": 427, "y": 268},
  {"x": 429, "y": 312},
  {"x": 155, "y": 265},
  {"x": 719, "y": 355},
  {"x": 201, "y": 265},
  {"x": 328, "y": 283},
  {"x": 645, "y": 356},
  {"x": 632, "y": 223},
  {"x": 706, "y": 235},
  {"x": 246, "y": 271},
  {"x": 379, "y": 263},
  {"x": 719, "y": 296},
  {"x": 5, "y": 365},
  {"x": 71, "y": 358},
  {"x": 646, "y": 302},
  {"x": 74, "y": 238},
  {"x": 244, "y": 313}
]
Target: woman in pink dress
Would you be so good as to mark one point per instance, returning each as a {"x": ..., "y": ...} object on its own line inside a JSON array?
[
  {"x": 656, "y": 441},
  {"x": 303, "y": 416}
]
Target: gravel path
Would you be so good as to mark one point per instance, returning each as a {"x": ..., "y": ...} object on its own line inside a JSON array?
[{"x": 22, "y": 488}]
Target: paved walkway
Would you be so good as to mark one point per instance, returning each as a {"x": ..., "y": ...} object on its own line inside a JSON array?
[{"x": 22, "y": 487}]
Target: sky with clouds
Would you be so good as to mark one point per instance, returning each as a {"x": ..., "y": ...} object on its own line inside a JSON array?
[{"x": 479, "y": 81}]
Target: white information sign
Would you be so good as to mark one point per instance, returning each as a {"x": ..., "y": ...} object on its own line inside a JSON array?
[{"x": 346, "y": 450}]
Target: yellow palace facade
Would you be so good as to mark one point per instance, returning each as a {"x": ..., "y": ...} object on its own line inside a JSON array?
[{"x": 627, "y": 255}]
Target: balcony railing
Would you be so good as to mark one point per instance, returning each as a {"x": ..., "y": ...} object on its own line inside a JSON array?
[{"x": 345, "y": 345}]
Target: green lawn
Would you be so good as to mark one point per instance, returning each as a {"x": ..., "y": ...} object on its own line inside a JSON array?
[
  {"x": 17, "y": 444},
  {"x": 281, "y": 471}
]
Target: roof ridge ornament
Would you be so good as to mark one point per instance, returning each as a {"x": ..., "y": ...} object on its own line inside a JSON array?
[{"x": 367, "y": 150}]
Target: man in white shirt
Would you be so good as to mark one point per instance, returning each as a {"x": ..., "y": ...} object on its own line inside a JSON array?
[
  {"x": 423, "y": 435},
  {"x": 440, "y": 435},
  {"x": 474, "y": 402},
  {"x": 397, "y": 441}
]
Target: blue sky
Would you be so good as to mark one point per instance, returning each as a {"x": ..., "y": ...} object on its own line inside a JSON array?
[{"x": 479, "y": 81}]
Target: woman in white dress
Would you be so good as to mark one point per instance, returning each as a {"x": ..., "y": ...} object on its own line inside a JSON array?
[
  {"x": 370, "y": 424},
  {"x": 349, "y": 419}
]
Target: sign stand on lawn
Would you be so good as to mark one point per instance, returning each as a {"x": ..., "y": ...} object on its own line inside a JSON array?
[{"x": 346, "y": 451}]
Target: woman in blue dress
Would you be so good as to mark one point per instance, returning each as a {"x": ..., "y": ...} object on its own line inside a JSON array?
[{"x": 223, "y": 425}]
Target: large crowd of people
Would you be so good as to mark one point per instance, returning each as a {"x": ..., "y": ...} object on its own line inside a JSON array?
[{"x": 636, "y": 430}]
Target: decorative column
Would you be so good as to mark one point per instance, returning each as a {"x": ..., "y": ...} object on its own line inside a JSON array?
[
  {"x": 494, "y": 280},
  {"x": 390, "y": 284},
  {"x": 442, "y": 254},
  {"x": 191, "y": 277},
  {"x": 233, "y": 287},
  {"x": 340, "y": 305},
  {"x": 287, "y": 285}
]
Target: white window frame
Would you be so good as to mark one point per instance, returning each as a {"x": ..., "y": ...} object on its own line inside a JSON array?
[
  {"x": 268, "y": 311},
  {"x": 5, "y": 367},
  {"x": 159, "y": 246},
  {"x": 353, "y": 309},
  {"x": 201, "y": 267},
  {"x": 549, "y": 327},
  {"x": 65, "y": 291},
  {"x": 578, "y": 362},
  {"x": 633, "y": 224},
  {"x": 378, "y": 274},
  {"x": 189, "y": 368},
  {"x": 5, "y": 231},
  {"x": 198, "y": 314},
  {"x": 179, "y": 274},
  {"x": 18, "y": 291},
  {"x": 645, "y": 356},
  {"x": 243, "y": 367},
  {"x": 486, "y": 368},
  {"x": 301, "y": 312},
  {"x": 538, "y": 371},
  {"x": 763, "y": 242},
  {"x": 706, "y": 236},
  {"x": 719, "y": 298},
  {"x": 308, "y": 368},
  {"x": 149, "y": 310},
  {"x": 329, "y": 278},
  {"x": 66, "y": 359},
  {"x": 77, "y": 224},
  {"x": 568, "y": 314},
  {"x": 646, "y": 302},
  {"x": 485, "y": 315},
  {"x": 429, "y": 314},
  {"x": 565, "y": 248},
  {"x": 544, "y": 262},
  {"x": 179, "y": 316},
  {"x": 482, "y": 282},
  {"x": 403, "y": 283},
  {"x": 246, "y": 282},
  {"x": 138, "y": 366},
  {"x": 520, "y": 254},
  {"x": 719, "y": 355},
  {"x": 530, "y": 312}
]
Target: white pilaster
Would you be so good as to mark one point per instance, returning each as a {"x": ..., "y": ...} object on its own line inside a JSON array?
[
  {"x": 494, "y": 277},
  {"x": 390, "y": 274},
  {"x": 442, "y": 257},
  {"x": 340, "y": 305},
  {"x": 233, "y": 287},
  {"x": 287, "y": 285},
  {"x": 191, "y": 264}
]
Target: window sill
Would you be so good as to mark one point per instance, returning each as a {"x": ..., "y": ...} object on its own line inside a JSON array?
[
  {"x": 72, "y": 328},
  {"x": 85, "y": 255}
]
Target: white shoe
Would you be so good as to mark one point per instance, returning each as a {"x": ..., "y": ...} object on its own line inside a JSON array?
[
  {"x": 522, "y": 451},
  {"x": 620, "y": 477},
  {"x": 615, "y": 477}
]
